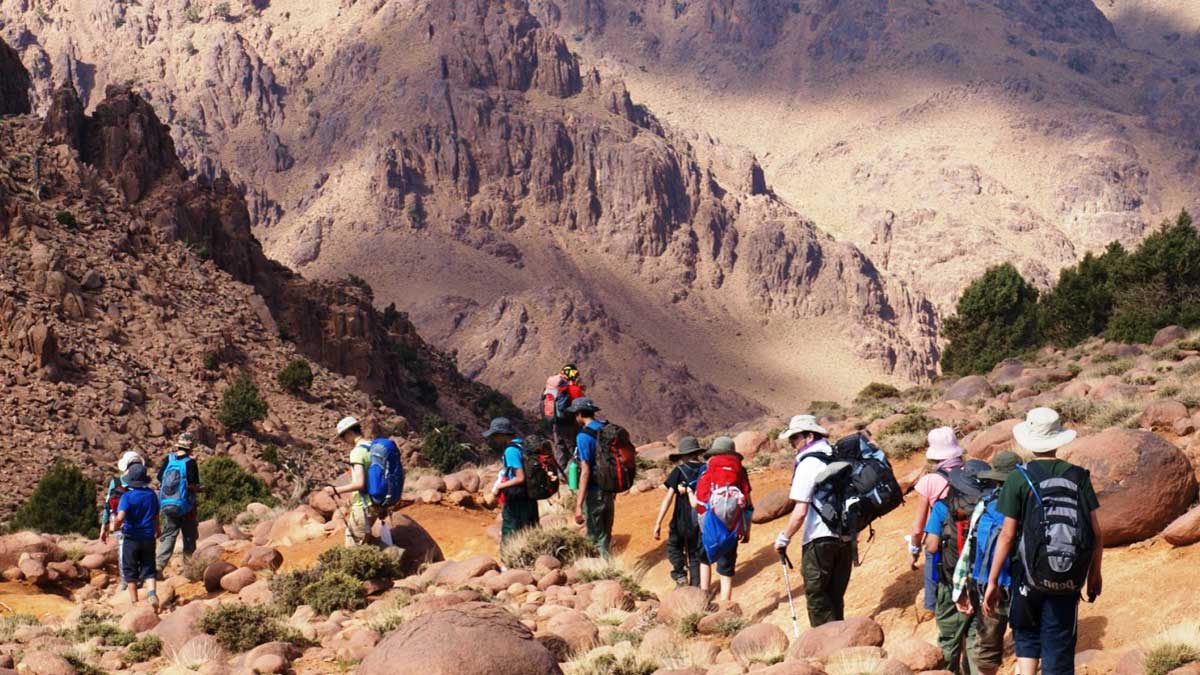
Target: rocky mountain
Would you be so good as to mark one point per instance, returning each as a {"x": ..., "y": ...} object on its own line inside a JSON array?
[
  {"x": 523, "y": 208},
  {"x": 942, "y": 137},
  {"x": 130, "y": 296}
]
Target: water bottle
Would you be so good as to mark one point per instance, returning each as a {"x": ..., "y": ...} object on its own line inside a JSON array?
[{"x": 573, "y": 474}]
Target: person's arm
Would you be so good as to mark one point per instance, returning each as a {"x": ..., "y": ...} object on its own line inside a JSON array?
[
  {"x": 920, "y": 519},
  {"x": 193, "y": 476},
  {"x": 119, "y": 520},
  {"x": 357, "y": 480},
  {"x": 795, "y": 523},
  {"x": 517, "y": 479},
  {"x": 1004, "y": 544},
  {"x": 157, "y": 521},
  {"x": 932, "y": 541},
  {"x": 662, "y": 513},
  {"x": 1095, "y": 579},
  {"x": 585, "y": 474}
]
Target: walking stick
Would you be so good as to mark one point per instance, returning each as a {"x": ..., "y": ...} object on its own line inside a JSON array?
[{"x": 787, "y": 582}]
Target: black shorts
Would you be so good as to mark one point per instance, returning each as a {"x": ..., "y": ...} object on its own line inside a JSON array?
[
  {"x": 137, "y": 560},
  {"x": 725, "y": 563}
]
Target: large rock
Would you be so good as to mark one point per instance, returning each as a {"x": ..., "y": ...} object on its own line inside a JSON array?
[
  {"x": 992, "y": 440},
  {"x": 1184, "y": 530},
  {"x": 750, "y": 443},
  {"x": 576, "y": 628},
  {"x": 775, "y": 504},
  {"x": 261, "y": 558},
  {"x": 918, "y": 655},
  {"x": 680, "y": 602},
  {"x": 969, "y": 388},
  {"x": 469, "y": 639},
  {"x": 1143, "y": 482},
  {"x": 178, "y": 627},
  {"x": 45, "y": 663},
  {"x": 760, "y": 639},
  {"x": 214, "y": 573},
  {"x": 139, "y": 619},
  {"x": 1162, "y": 415},
  {"x": 820, "y": 642},
  {"x": 13, "y": 545},
  {"x": 1167, "y": 335},
  {"x": 457, "y": 572},
  {"x": 14, "y": 83},
  {"x": 419, "y": 547},
  {"x": 238, "y": 579}
]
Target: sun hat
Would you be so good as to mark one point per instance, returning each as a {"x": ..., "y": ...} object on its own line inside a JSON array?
[
  {"x": 127, "y": 459},
  {"x": 966, "y": 479},
  {"x": 346, "y": 424},
  {"x": 501, "y": 425},
  {"x": 1004, "y": 463},
  {"x": 943, "y": 445},
  {"x": 185, "y": 441},
  {"x": 800, "y": 424},
  {"x": 1042, "y": 431},
  {"x": 688, "y": 446},
  {"x": 136, "y": 476},
  {"x": 722, "y": 445},
  {"x": 583, "y": 404}
]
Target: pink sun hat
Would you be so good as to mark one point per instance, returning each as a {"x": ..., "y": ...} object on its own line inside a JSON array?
[{"x": 943, "y": 445}]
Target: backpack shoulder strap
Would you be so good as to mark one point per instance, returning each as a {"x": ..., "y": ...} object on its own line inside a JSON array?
[
  {"x": 588, "y": 431},
  {"x": 1026, "y": 472}
]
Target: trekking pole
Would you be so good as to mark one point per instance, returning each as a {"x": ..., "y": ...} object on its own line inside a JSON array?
[{"x": 787, "y": 582}]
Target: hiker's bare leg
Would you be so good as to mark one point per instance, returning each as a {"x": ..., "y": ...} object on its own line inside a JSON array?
[
  {"x": 726, "y": 587},
  {"x": 133, "y": 592},
  {"x": 1027, "y": 666},
  {"x": 705, "y": 577}
]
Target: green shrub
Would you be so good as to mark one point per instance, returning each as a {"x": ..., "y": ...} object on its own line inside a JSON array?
[
  {"x": 996, "y": 318},
  {"x": 494, "y": 404},
  {"x": 613, "y": 664},
  {"x": 911, "y": 423},
  {"x": 1116, "y": 368},
  {"x": 565, "y": 544},
  {"x": 818, "y": 408},
  {"x": 1164, "y": 658},
  {"x": 731, "y": 625},
  {"x": 67, "y": 220},
  {"x": 689, "y": 625},
  {"x": 287, "y": 588},
  {"x": 361, "y": 284},
  {"x": 9, "y": 623},
  {"x": 192, "y": 14},
  {"x": 228, "y": 489},
  {"x": 63, "y": 502},
  {"x": 94, "y": 623},
  {"x": 334, "y": 591},
  {"x": 360, "y": 562},
  {"x": 876, "y": 391},
  {"x": 147, "y": 647},
  {"x": 1081, "y": 302},
  {"x": 221, "y": 11},
  {"x": 1076, "y": 410},
  {"x": 241, "y": 404},
  {"x": 270, "y": 454},
  {"x": 440, "y": 445},
  {"x": 239, "y": 627},
  {"x": 296, "y": 377},
  {"x": 210, "y": 360}
]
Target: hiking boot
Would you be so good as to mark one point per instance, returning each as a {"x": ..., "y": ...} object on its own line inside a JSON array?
[
  {"x": 122, "y": 586},
  {"x": 152, "y": 598}
]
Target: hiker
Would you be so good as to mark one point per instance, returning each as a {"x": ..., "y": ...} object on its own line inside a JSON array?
[
  {"x": 943, "y": 456},
  {"x": 723, "y": 500},
  {"x": 683, "y": 533},
  {"x": 562, "y": 389},
  {"x": 591, "y": 501},
  {"x": 178, "y": 490},
  {"x": 519, "y": 511},
  {"x": 360, "y": 523},
  {"x": 112, "y": 498},
  {"x": 974, "y": 566},
  {"x": 1046, "y": 587},
  {"x": 945, "y": 537},
  {"x": 826, "y": 559},
  {"x": 137, "y": 518}
]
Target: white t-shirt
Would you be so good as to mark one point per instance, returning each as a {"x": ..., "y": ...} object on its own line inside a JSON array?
[{"x": 803, "y": 485}]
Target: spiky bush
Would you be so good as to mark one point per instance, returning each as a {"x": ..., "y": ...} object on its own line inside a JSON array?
[
  {"x": 63, "y": 502},
  {"x": 147, "y": 647},
  {"x": 523, "y": 548},
  {"x": 239, "y": 627},
  {"x": 334, "y": 591},
  {"x": 360, "y": 562}
]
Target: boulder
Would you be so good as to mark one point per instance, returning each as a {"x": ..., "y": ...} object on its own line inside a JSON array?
[
  {"x": 1162, "y": 415},
  {"x": 435, "y": 483},
  {"x": 917, "y": 655},
  {"x": 1007, "y": 372},
  {"x": 775, "y": 504},
  {"x": 257, "y": 593},
  {"x": 969, "y": 388},
  {"x": 139, "y": 619},
  {"x": 1167, "y": 335},
  {"x": 419, "y": 547},
  {"x": 12, "y": 546},
  {"x": 322, "y": 502},
  {"x": 680, "y": 602},
  {"x": 1143, "y": 482},
  {"x": 551, "y": 578},
  {"x": 214, "y": 573},
  {"x": 1184, "y": 530},
  {"x": 750, "y": 443},
  {"x": 469, "y": 639},
  {"x": 238, "y": 579},
  {"x": 178, "y": 627},
  {"x": 608, "y": 594},
  {"x": 92, "y": 561},
  {"x": 992, "y": 440},
  {"x": 655, "y": 452},
  {"x": 757, "y": 640},
  {"x": 457, "y": 572},
  {"x": 353, "y": 643},
  {"x": 576, "y": 628},
  {"x": 820, "y": 642},
  {"x": 261, "y": 558},
  {"x": 790, "y": 668},
  {"x": 501, "y": 581},
  {"x": 45, "y": 663}
]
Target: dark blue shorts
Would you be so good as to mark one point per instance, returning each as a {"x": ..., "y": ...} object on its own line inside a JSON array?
[
  {"x": 725, "y": 564},
  {"x": 137, "y": 560},
  {"x": 1044, "y": 627}
]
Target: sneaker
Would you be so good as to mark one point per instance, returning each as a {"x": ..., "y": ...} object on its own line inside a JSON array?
[
  {"x": 122, "y": 586},
  {"x": 152, "y": 598}
]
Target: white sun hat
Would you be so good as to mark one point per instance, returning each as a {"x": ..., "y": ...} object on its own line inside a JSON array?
[
  {"x": 128, "y": 458},
  {"x": 800, "y": 424},
  {"x": 345, "y": 425},
  {"x": 1042, "y": 431}
]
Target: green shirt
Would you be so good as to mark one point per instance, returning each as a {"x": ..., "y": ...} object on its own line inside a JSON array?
[
  {"x": 1015, "y": 492},
  {"x": 361, "y": 454}
]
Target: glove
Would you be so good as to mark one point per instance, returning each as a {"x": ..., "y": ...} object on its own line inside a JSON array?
[{"x": 781, "y": 542}]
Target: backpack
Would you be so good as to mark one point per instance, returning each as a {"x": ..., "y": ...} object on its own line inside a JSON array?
[
  {"x": 983, "y": 543},
  {"x": 616, "y": 458},
  {"x": 1057, "y": 541},
  {"x": 691, "y": 480},
  {"x": 174, "y": 499},
  {"x": 861, "y": 489},
  {"x": 556, "y": 388},
  {"x": 960, "y": 506},
  {"x": 385, "y": 473},
  {"x": 539, "y": 466},
  {"x": 115, "y": 489}
]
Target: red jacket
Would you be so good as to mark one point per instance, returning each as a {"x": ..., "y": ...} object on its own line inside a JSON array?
[{"x": 722, "y": 470}]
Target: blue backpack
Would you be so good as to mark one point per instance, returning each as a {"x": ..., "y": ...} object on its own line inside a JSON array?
[
  {"x": 987, "y": 532},
  {"x": 717, "y": 537},
  {"x": 385, "y": 475},
  {"x": 174, "y": 499}
]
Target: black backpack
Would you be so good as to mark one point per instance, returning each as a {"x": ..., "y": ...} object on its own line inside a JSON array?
[
  {"x": 1057, "y": 541},
  {"x": 956, "y": 527},
  {"x": 540, "y": 480},
  {"x": 616, "y": 458},
  {"x": 863, "y": 491},
  {"x": 691, "y": 476}
]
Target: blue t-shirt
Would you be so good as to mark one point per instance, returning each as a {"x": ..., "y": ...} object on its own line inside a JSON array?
[
  {"x": 512, "y": 459},
  {"x": 937, "y": 519},
  {"x": 141, "y": 510},
  {"x": 585, "y": 445}
]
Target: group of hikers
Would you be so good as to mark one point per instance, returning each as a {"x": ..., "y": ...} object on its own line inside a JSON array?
[
  {"x": 147, "y": 523},
  {"x": 1014, "y": 543}
]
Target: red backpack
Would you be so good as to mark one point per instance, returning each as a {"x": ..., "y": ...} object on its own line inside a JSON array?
[{"x": 555, "y": 398}]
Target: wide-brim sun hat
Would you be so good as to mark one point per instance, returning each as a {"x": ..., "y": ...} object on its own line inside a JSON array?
[
  {"x": 722, "y": 445},
  {"x": 501, "y": 425},
  {"x": 583, "y": 404},
  {"x": 1003, "y": 464},
  {"x": 943, "y": 445},
  {"x": 185, "y": 441},
  {"x": 1042, "y": 431},
  {"x": 136, "y": 476},
  {"x": 128, "y": 459},
  {"x": 800, "y": 424},
  {"x": 346, "y": 424},
  {"x": 688, "y": 447}
]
